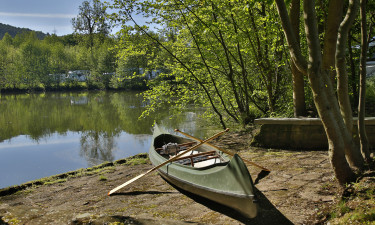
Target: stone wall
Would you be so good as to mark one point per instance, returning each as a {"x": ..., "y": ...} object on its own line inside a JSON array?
[{"x": 299, "y": 133}]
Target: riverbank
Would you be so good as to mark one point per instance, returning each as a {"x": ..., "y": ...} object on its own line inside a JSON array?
[{"x": 299, "y": 184}]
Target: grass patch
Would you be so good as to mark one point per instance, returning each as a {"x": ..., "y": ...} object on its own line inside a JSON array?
[
  {"x": 137, "y": 161},
  {"x": 102, "y": 178},
  {"x": 9, "y": 219},
  {"x": 341, "y": 209},
  {"x": 357, "y": 207},
  {"x": 357, "y": 216},
  {"x": 55, "y": 181}
]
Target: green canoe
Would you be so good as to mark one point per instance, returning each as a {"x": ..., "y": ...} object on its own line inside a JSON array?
[{"x": 206, "y": 172}]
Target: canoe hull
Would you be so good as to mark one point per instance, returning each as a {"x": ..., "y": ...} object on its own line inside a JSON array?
[
  {"x": 243, "y": 204},
  {"x": 228, "y": 183}
]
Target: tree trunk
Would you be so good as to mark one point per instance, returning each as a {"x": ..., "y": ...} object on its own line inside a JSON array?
[
  {"x": 362, "y": 86},
  {"x": 299, "y": 105},
  {"x": 321, "y": 86},
  {"x": 334, "y": 18},
  {"x": 325, "y": 101},
  {"x": 342, "y": 77},
  {"x": 294, "y": 48},
  {"x": 351, "y": 149}
]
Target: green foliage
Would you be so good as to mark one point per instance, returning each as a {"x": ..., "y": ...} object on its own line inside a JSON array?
[
  {"x": 136, "y": 55},
  {"x": 27, "y": 63},
  {"x": 225, "y": 56},
  {"x": 91, "y": 20}
]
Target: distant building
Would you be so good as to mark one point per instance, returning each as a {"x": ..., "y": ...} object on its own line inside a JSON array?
[
  {"x": 150, "y": 74},
  {"x": 78, "y": 75}
]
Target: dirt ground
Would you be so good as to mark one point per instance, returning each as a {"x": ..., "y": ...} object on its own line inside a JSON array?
[{"x": 300, "y": 182}]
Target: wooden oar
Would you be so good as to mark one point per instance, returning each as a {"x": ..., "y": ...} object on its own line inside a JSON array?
[
  {"x": 222, "y": 150},
  {"x": 166, "y": 162}
]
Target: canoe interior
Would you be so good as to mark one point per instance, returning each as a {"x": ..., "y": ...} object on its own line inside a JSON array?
[{"x": 168, "y": 145}]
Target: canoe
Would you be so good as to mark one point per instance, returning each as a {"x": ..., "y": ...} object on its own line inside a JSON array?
[{"x": 205, "y": 171}]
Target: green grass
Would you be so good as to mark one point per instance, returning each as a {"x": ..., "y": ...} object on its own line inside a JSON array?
[
  {"x": 357, "y": 216},
  {"x": 55, "y": 181},
  {"x": 102, "y": 178},
  {"x": 136, "y": 161},
  {"x": 359, "y": 207}
]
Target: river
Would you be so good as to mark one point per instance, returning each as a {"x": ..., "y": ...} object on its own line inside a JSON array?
[{"x": 51, "y": 133}]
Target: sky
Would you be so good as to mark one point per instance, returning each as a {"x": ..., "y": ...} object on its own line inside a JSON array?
[{"x": 48, "y": 16}]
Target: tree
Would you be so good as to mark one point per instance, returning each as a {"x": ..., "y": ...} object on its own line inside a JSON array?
[
  {"x": 362, "y": 86},
  {"x": 7, "y": 39},
  {"x": 91, "y": 20},
  {"x": 299, "y": 104},
  {"x": 228, "y": 57},
  {"x": 343, "y": 152}
]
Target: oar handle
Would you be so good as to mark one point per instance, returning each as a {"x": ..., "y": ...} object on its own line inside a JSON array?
[{"x": 222, "y": 150}]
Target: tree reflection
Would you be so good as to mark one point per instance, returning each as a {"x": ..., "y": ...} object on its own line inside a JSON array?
[
  {"x": 97, "y": 146},
  {"x": 99, "y": 116}
]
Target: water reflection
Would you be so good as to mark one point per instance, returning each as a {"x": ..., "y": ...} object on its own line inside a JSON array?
[
  {"x": 50, "y": 133},
  {"x": 97, "y": 147}
]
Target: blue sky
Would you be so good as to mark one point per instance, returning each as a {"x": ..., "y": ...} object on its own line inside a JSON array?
[
  {"x": 48, "y": 16},
  {"x": 40, "y": 15}
]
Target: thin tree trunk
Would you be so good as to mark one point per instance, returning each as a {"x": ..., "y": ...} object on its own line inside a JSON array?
[
  {"x": 362, "y": 87},
  {"x": 342, "y": 77},
  {"x": 294, "y": 48},
  {"x": 334, "y": 18},
  {"x": 351, "y": 150},
  {"x": 299, "y": 105}
]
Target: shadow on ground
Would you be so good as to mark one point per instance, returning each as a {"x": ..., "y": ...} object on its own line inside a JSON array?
[
  {"x": 2, "y": 222},
  {"x": 124, "y": 220},
  {"x": 267, "y": 214},
  {"x": 143, "y": 193}
]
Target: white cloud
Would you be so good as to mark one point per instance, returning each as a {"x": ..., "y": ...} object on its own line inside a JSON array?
[{"x": 37, "y": 15}]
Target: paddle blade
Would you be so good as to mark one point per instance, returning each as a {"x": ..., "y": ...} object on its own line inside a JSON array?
[{"x": 124, "y": 184}]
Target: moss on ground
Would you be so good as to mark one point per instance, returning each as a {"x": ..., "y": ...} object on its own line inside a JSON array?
[{"x": 356, "y": 205}]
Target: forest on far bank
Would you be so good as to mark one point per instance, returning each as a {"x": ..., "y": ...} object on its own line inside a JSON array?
[{"x": 28, "y": 63}]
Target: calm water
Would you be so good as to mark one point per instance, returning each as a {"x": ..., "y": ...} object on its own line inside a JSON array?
[{"x": 47, "y": 134}]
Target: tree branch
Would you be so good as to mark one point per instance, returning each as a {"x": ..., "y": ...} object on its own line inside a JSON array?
[{"x": 294, "y": 48}]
